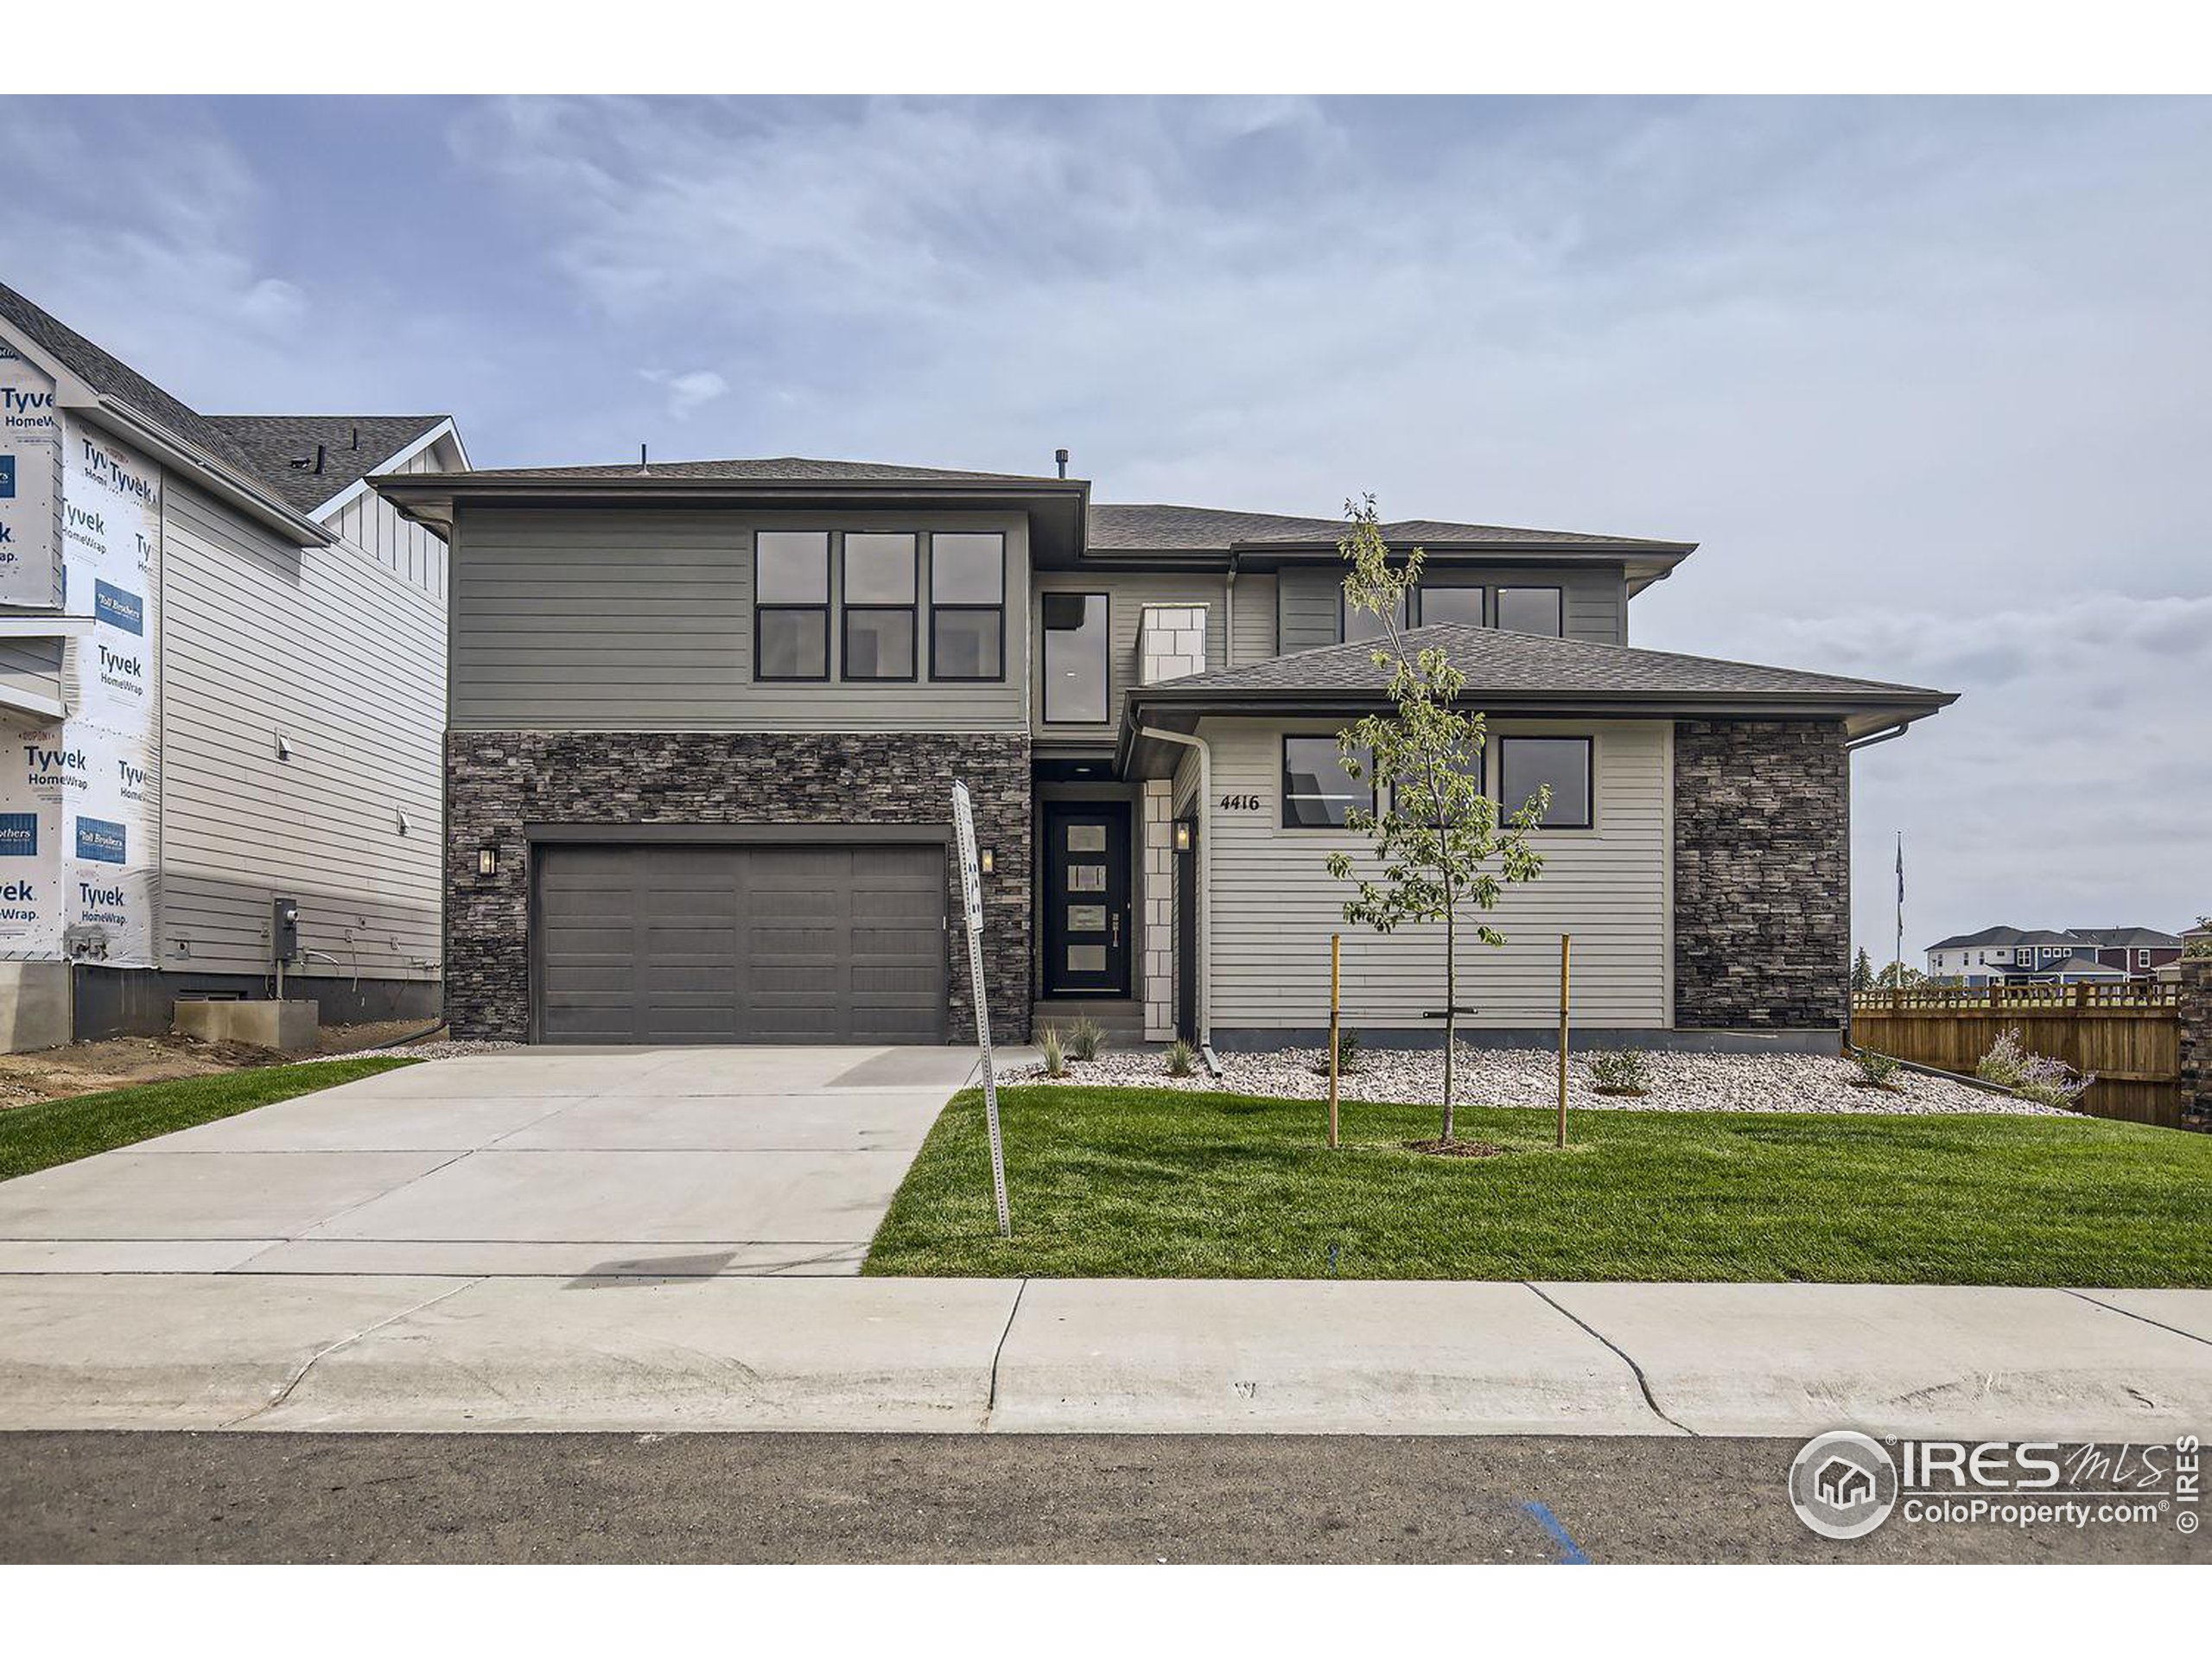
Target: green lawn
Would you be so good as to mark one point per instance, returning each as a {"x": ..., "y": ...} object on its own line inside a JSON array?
[
  {"x": 1139, "y": 1183},
  {"x": 59, "y": 1131}
]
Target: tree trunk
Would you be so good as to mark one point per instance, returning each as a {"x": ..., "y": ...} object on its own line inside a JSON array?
[{"x": 1451, "y": 1001}]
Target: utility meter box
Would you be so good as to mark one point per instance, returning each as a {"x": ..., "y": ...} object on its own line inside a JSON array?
[{"x": 283, "y": 929}]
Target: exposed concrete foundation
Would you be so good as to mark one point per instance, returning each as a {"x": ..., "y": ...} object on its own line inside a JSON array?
[
  {"x": 34, "y": 1006},
  {"x": 287, "y": 1026}
]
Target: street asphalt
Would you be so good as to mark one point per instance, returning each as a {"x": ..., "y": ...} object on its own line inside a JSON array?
[{"x": 245, "y": 1498}]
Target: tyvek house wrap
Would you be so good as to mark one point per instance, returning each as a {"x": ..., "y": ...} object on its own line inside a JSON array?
[
  {"x": 30, "y": 484},
  {"x": 80, "y": 801}
]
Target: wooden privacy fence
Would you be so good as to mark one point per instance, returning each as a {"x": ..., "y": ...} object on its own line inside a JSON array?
[{"x": 2128, "y": 1033}]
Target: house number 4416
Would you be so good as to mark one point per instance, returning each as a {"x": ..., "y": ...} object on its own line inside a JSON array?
[{"x": 1240, "y": 802}]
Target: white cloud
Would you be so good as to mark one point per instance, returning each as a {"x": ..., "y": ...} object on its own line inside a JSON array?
[{"x": 692, "y": 389}]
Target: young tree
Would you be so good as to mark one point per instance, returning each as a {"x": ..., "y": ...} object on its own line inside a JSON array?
[
  {"x": 1862, "y": 971},
  {"x": 1439, "y": 839}
]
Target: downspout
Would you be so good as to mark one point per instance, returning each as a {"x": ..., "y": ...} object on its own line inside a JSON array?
[{"x": 1206, "y": 886}]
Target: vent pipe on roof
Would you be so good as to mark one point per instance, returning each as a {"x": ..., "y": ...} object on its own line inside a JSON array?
[
  {"x": 356, "y": 442},
  {"x": 641, "y": 459},
  {"x": 320, "y": 455},
  {"x": 1060, "y": 460}
]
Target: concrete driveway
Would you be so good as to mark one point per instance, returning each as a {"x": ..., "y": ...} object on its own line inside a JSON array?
[{"x": 686, "y": 1162}]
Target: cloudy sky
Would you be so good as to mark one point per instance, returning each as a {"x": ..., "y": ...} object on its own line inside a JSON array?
[{"x": 1928, "y": 380}]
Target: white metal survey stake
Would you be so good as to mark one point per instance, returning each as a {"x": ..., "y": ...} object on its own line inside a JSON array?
[{"x": 971, "y": 890}]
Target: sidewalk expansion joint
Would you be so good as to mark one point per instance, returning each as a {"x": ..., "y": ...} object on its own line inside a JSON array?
[
  {"x": 1642, "y": 1381},
  {"x": 2143, "y": 1318},
  {"x": 299, "y": 1376}
]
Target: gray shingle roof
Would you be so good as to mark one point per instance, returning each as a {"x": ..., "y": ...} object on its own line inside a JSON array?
[
  {"x": 1494, "y": 660},
  {"x": 1159, "y": 528},
  {"x": 114, "y": 378},
  {"x": 763, "y": 469},
  {"x": 353, "y": 446},
  {"x": 2128, "y": 938}
]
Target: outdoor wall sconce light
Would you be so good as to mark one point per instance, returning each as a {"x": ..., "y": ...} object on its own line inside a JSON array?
[
  {"x": 1182, "y": 835},
  {"x": 487, "y": 861},
  {"x": 988, "y": 859}
]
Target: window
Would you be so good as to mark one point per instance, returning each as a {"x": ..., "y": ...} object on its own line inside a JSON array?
[
  {"x": 1076, "y": 650},
  {"x": 879, "y": 606},
  {"x": 790, "y": 605},
  {"x": 1450, "y": 602},
  {"x": 1365, "y": 625},
  {"x": 1318, "y": 793},
  {"x": 968, "y": 606},
  {"x": 1529, "y": 610},
  {"x": 1528, "y": 764}
]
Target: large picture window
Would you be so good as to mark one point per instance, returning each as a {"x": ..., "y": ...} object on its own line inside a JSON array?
[
  {"x": 1318, "y": 793},
  {"x": 790, "y": 605},
  {"x": 1076, "y": 652},
  {"x": 966, "y": 607},
  {"x": 1530, "y": 610},
  {"x": 879, "y": 606},
  {"x": 1445, "y": 601},
  {"x": 1528, "y": 764},
  {"x": 1365, "y": 624}
]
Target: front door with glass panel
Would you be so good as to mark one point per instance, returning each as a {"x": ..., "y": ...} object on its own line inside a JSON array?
[{"x": 1087, "y": 919}]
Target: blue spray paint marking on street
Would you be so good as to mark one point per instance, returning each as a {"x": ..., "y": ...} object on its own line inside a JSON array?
[{"x": 1570, "y": 1552}]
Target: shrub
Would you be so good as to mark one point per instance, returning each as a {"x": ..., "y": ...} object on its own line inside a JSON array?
[
  {"x": 1348, "y": 1046},
  {"x": 1180, "y": 1059},
  {"x": 1056, "y": 1058},
  {"x": 2032, "y": 1077},
  {"x": 1085, "y": 1038},
  {"x": 1875, "y": 1071},
  {"x": 1620, "y": 1071}
]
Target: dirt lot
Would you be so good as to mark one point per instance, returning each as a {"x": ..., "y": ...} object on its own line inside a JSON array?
[{"x": 87, "y": 1068}]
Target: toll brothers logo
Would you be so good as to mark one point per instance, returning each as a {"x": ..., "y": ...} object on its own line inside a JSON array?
[{"x": 1843, "y": 1485}]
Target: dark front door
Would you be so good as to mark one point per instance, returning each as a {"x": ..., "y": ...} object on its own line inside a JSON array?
[{"x": 1087, "y": 922}]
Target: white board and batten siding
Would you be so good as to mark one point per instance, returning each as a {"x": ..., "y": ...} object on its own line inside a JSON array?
[
  {"x": 344, "y": 656},
  {"x": 1275, "y": 904},
  {"x": 610, "y": 620},
  {"x": 405, "y": 548}
]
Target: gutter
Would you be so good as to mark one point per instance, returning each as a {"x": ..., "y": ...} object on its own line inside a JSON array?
[
  {"x": 212, "y": 475},
  {"x": 1183, "y": 740}
]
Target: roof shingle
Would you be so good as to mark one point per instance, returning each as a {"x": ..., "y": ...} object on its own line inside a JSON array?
[
  {"x": 352, "y": 445},
  {"x": 1161, "y": 528}
]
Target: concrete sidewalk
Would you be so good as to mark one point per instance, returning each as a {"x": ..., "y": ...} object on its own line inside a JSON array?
[{"x": 418, "y": 1353}]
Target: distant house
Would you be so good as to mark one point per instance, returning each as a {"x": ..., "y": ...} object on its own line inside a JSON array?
[{"x": 2048, "y": 955}]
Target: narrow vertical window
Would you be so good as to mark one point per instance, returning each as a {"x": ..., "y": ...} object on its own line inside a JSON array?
[
  {"x": 879, "y": 606},
  {"x": 1077, "y": 680},
  {"x": 790, "y": 605},
  {"x": 966, "y": 607}
]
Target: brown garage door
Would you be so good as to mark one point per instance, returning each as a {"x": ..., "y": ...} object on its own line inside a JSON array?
[{"x": 662, "y": 943}]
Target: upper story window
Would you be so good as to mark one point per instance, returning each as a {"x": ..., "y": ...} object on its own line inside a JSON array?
[
  {"x": 1365, "y": 625},
  {"x": 879, "y": 597},
  {"x": 1077, "y": 680},
  {"x": 1318, "y": 793},
  {"x": 1446, "y": 601},
  {"x": 1531, "y": 610},
  {"x": 1528, "y": 764},
  {"x": 966, "y": 607},
  {"x": 790, "y": 605}
]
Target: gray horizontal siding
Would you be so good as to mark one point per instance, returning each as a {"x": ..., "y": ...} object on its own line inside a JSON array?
[
  {"x": 1595, "y": 603},
  {"x": 1275, "y": 904},
  {"x": 616, "y": 619},
  {"x": 1128, "y": 593},
  {"x": 345, "y": 659},
  {"x": 1254, "y": 622},
  {"x": 32, "y": 665}
]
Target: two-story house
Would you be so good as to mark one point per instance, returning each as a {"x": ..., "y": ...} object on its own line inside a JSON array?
[
  {"x": 222, "y": 666},
  {"x": 2061, "y": 956},
  {"x": 704, "y": 718}
]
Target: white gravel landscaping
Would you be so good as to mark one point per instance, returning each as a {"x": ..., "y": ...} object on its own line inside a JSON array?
[{"x": 1680, "y": 1083}]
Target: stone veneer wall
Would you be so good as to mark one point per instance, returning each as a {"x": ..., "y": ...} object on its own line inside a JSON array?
[
  {"x": 2197, "y": 1040},
  {"x": 1762, "y": 876},
  {"x": 1157, "y": 873},
  {"x": 498, "y": 782}
]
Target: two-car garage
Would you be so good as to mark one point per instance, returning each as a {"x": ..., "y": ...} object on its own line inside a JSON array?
[{"x": 674, "y": 941}]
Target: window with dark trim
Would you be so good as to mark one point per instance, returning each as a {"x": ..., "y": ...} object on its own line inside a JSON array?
[
  {"x": 1353, "y": 624},
  {"x": 877, "y": 594},
  {"x": 1532, "y": 610},
  {"x": 967, "y": 606},
  {"x": 1528, "y": 764},
  {"x": 790, "y": 605},
  {"x": 1453, "y": 601},
  {"x": 1318, "y": 793},
  {"x": 1076, "y": 658}
]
